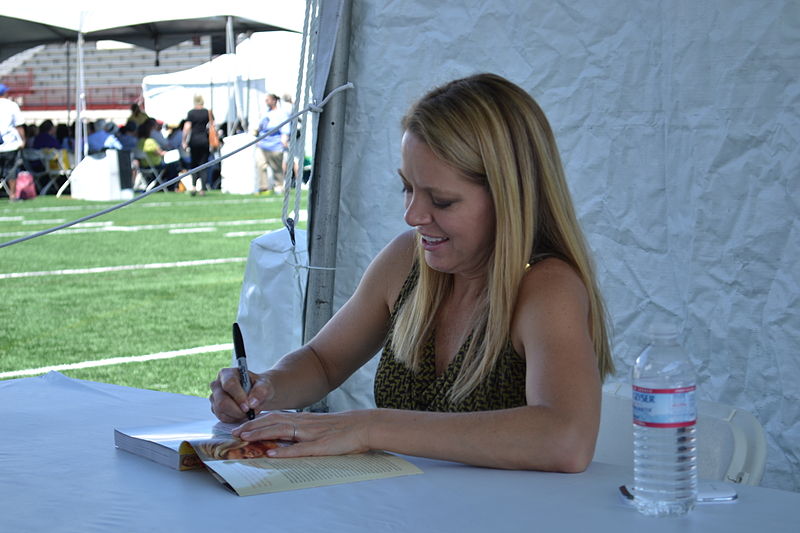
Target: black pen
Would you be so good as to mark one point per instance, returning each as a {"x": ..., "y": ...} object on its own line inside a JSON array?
[{"x": 241, "y": 362}]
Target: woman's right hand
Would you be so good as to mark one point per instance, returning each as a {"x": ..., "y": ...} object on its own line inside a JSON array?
[{"x": 230, "y": 403}]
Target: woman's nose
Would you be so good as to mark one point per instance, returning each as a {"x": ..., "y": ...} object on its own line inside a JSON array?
[{"x": 416, "y": 212}]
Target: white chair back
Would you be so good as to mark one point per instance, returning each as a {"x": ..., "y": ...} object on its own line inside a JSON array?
[{"x": 731, "y": 445}]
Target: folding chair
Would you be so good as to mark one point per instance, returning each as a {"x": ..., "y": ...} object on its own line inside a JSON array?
[
  {"x": 152, "y": 176},
  {"x": 731, "y": 445},
  {"x": 37, "y": 163},
  {"x": 13, "y": 173},
  {"x": 56, "y": 163}
]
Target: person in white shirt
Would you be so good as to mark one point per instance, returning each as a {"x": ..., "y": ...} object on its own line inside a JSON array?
[{"x": 12, "y": 134}]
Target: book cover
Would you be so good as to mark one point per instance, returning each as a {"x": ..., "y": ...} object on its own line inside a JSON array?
[{"x": 244, "y": 467}]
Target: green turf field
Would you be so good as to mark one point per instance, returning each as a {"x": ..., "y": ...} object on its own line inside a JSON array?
[{"x": 118, "y": 286}]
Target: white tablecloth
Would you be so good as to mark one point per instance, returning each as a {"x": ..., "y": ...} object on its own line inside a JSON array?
[{"x": 59, "y": 471}]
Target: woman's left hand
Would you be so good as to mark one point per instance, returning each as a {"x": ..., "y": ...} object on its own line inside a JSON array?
[{"x": 312, "y": 433}]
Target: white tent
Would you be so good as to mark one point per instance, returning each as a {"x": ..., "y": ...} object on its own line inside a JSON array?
[
  {"x": 679, "y": 127},
  {"x": 168, "y": 97},
  {"x": 233, "y": 86}
]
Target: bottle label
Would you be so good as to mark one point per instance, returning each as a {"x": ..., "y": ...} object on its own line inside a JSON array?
[{"x": 664, "y": 408}]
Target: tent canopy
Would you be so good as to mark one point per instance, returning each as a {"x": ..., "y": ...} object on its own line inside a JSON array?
[
  {"x": 154, "y": 25},
  {"x": 161, "y": 34},
  {"x": 17, "y": 35}
]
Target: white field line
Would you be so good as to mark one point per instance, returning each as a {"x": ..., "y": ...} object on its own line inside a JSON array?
[
  {"x": 117, "y": 361},
  {"x": 109, "y": 227},
  {"x": 90, "y": 207},
  {"x": 243, "y": 233},
  {"x": 45, "y": 221},
  {"x": 119, "y": 268},
  {"x": 192, "y": 230}
]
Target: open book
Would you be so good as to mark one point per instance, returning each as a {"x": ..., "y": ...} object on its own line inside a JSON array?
[{"x": 244, "y": 466}]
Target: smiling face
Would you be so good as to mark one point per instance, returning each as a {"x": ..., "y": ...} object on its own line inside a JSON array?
[
  {"x": 251, "y": 450},
  {"x": 453, "y": 216}
]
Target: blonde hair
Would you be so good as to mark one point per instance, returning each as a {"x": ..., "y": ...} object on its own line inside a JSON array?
[
  {"x": 496, "y": 135},
  {"x": 198, "y": 100}
]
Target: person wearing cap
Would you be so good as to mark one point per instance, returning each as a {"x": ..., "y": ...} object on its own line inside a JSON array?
[
  {"x": 12, "y": 137},
  {"x": 103, "y": 137}
]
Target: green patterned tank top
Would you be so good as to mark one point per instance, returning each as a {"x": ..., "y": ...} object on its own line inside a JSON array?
[{"x": 398, "y": 387}]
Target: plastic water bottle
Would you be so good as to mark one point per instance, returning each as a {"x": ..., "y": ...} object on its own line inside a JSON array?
[{"x": 664, "y": 418}]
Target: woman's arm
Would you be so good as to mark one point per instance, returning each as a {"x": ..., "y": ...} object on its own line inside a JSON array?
[
  {"x": 187, "y": 127},
  {"x": 349, "y": 339},
  {"x": 556, "y": 431}
]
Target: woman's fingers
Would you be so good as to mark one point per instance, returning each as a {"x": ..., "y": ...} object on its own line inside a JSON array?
[
  {"x": 229, "y": 401},
  {"x": 313, "y": 433}
]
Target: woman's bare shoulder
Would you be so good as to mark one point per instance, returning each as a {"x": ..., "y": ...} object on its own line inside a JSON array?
[
  {"x": 551, "y": 277},
  {"x": 391, "y": 266},
  {"x": 552, "y": 296}
]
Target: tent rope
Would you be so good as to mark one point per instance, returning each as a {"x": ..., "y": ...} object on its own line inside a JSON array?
[{"x": 293, "y": 183}]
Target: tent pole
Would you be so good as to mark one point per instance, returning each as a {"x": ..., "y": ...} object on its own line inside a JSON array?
[
  {"x": 79, "y": 100},
  {"x": 325, "y": 191},
  {"x": 230, "y": 48},
  {"x": 69, "y": 82}
]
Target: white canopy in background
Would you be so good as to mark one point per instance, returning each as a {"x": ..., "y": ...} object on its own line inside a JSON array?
[
  {"x": 679, "y": 127},
  {"x": 264, "y": 63}
]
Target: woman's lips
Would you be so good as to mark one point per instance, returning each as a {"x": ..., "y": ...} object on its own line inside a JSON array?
[{"x": 431, "y": 243}]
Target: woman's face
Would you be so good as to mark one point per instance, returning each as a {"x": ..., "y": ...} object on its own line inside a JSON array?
[{"x": 453, "y": 216}]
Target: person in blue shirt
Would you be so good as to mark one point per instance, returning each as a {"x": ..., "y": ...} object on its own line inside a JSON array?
[{"x": 103, "y": 137}]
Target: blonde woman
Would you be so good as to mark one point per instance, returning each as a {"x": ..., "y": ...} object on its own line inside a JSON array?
[
  {"x": 195, "y": 140},
  {"x": 492, "y": 325}
]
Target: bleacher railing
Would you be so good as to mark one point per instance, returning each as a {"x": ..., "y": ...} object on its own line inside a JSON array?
[{"x": 50, "y": 98}]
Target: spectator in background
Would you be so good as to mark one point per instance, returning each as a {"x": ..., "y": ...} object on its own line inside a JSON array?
[
  {"x": 30, "y": 132},
  {"x": 195, "y": 139},
  {"x": 150, "y": 154},
  {"x": 12, "y": 135},
  {"x": 127, "y": 136},
  {"x": 157, "y": 134},
  {"x": 103, "y": 137},
  {"x": 289, "y": 108},
  {"x": 175, "y": 142},
  {"x": 45, "y": 137},
  {"x": 137, "y": 115},
  {"x": 66, "y": 137},
  {"x": 269, "y": 154}
]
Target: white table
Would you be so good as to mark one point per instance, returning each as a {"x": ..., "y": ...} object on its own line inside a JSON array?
[{"x": 60, "y": 472}]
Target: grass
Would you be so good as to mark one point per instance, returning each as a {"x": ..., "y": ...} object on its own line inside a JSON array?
[{"x": 62, "y": 318}]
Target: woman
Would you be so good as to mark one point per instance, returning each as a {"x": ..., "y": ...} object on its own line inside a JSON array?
[
  {"x": 148, "y": 157},
  {"x": 195, "y": 139},
  {"x": 495, "y": 339}
]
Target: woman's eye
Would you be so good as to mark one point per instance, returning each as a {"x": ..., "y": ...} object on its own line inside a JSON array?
[
  {"x": 406, "y": 189},
  {"x": 441, "y": 204}
]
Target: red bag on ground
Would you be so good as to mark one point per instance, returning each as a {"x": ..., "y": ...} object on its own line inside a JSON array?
[{"x": 26, "y": 189}]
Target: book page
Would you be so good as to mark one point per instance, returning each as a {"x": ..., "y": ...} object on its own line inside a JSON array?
[{"x": 265, "y": 475}]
